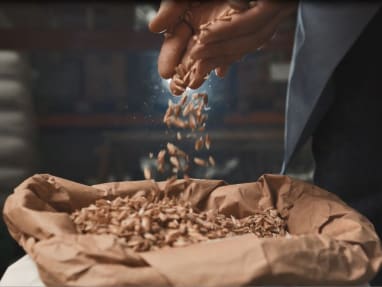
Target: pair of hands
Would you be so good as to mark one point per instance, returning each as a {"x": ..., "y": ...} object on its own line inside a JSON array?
[{"x": 211, "y": 35}]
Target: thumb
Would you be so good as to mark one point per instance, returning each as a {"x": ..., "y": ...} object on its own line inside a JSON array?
[{"x": 169, "y": 14}]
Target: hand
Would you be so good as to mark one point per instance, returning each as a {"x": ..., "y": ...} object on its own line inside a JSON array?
[
  {"x": 223, "y": 36},
  {"x": 168, "y": 20},
  {"x": 228, "y": 41},
  {"x": 178, "y": 34}
]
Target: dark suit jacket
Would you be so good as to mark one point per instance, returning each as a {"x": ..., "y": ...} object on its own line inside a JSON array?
[{"x": 325, "y": 32}]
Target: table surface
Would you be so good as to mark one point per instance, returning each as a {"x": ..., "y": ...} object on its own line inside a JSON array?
[{"x": 24, "y": 273}]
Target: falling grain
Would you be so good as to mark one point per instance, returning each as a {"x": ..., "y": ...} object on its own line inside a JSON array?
[
  {"x": 199, "y": 161},
  {"x": 147, "y": 173},
  {"x": 150, "y": 220},
  {"x": 207, "y": 142},
  {"x": 199, "y": 144},
  {"x": 211, "y": 160}
]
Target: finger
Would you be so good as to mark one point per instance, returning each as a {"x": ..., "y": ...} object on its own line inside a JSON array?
[
  {"x": 249, "y": 21},
  {"x": 239, "y": 45},
  {"x": 172, "y": 50},
  {"x": 203, "y": 67},
  {"x": 169, "y": 14},
  {"x": 222, "y": 71},
  {"x": 177, "y": 88}
]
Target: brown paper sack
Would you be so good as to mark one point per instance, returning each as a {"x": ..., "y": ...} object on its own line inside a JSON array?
[{"x": 330, "y": 243}]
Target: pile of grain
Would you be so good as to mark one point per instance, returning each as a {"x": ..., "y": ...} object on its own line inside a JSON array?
[{"x": 150, "y": 220}]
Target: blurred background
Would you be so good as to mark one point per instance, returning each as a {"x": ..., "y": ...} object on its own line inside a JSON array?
[{"x": 80, "y": 98}]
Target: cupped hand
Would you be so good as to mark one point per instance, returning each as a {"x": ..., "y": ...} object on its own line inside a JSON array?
[
  {"x": 179, "y": 21},
  {"x": 168, "y": 21},
  {"x": 222, "y": 36},
  {"x": 225, "y": 42}
]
